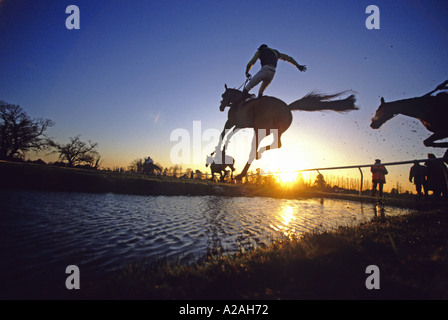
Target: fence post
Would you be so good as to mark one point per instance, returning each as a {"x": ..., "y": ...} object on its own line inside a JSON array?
[{"x": 360, "y": 185}]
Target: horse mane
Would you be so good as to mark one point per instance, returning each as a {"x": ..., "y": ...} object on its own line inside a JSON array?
[{"x": 316, "y": 102}]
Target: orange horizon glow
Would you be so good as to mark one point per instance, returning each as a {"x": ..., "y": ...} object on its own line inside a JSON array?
[{"x": 297, "y": 153}]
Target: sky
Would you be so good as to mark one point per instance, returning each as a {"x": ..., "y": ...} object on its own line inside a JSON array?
[{"x": 137, "y": 70}]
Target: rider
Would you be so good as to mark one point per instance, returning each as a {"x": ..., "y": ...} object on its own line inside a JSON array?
[{"x": 268, "y": 59}]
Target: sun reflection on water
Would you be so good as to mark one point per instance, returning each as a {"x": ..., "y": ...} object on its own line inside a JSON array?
[{"x": 285, "y": 216}]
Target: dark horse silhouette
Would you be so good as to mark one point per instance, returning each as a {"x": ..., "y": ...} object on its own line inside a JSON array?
[
  {"x": 219, "y": 166},
  {"x": 432, "y": 111},
  {"x": 269, "y": 115},
  {"x": 149, "y": 168}
]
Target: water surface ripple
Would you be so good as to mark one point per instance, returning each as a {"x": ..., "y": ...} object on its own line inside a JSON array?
[{"x": 41, "y": 233}]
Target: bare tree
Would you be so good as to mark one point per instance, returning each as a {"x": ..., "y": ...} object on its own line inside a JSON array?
[
  {"x": 175, "y": 170},
  {"x": 78, "y": 152},
  {"x": 136, "y": 165},
  {"x": 19, "y": 133}
]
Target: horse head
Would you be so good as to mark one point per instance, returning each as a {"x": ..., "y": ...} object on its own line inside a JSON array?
[
  {"x": 384, "y": 113},
  {"x": 228, "y": 97}
]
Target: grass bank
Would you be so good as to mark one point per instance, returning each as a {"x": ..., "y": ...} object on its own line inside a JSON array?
[
  {"x": 410, "y": 251},
  {"x": 50, "y": 178}
]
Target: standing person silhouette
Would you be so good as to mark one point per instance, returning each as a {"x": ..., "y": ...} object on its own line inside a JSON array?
[
  {"x": 378, "y": 177},
  {"x": 437, "y": 175},
  {"x": 268, "y": 60},
  {"x": 418, "y": 174}
]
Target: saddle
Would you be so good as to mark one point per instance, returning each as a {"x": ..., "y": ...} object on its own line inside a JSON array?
[{"x": 248, "y": 98}]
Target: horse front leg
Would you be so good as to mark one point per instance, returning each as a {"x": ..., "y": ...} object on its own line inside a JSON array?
[
  {"x": 252, "y": 156},
  {"x": 430, "y": 142},
  {"x": 244, "y": 172},
  {"x": 227, "y": 127},
  {"x": 226, "y": 144}
]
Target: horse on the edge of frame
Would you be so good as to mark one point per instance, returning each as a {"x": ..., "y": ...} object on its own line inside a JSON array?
[
  {"x": 272, "y": 115},
  {"x": 431, "y": 110}
]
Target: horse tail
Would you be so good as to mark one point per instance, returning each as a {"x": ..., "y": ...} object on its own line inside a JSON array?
[{"x": 317, "y": 102}]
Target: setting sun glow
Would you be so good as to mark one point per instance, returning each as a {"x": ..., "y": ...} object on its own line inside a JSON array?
[
  {"x": 285, "y": 163},
  {"x": 287, "y": 177}
]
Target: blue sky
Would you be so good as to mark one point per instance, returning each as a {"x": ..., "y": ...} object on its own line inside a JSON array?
[{"x": 137, "y": 70}]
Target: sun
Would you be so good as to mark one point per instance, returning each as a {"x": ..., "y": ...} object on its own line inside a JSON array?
[
  {"x": 287, "y": 177},
  {"x": 284, "y": 164}
]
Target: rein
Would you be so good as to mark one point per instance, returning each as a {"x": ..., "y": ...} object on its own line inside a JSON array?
[{"x": 245, "y": 82}]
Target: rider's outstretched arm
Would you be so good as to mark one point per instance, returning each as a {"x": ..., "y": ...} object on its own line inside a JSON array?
[
  {"x": 291, "y": 60},
  {"x": 252, "y": 62}
]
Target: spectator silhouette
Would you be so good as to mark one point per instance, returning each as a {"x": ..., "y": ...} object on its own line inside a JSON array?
[
  {"x": 436, "y": 176},
  {"x": 418, "y": 174},
  {"x": 378, "y": 177}
]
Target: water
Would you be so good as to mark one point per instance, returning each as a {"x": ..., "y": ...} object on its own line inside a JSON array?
[{"x": 41, "y": 233}]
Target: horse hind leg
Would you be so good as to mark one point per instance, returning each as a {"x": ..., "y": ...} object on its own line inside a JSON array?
[{"x": 277, "y": 142}]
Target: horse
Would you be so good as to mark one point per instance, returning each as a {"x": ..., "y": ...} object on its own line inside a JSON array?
[
  {"x": 217, "y": 166},
  {"x": 269, "y": 115},
  {"x": 432, "y": 111},
  {"x": 149, "y": 168}
]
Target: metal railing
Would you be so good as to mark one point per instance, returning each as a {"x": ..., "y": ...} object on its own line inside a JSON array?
[
  {"x": 363, "y": 166},
  {"x": 202, "y": 176}
]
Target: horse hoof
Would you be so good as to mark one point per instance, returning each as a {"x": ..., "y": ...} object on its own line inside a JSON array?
[{"x": 239, "y": 177}]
